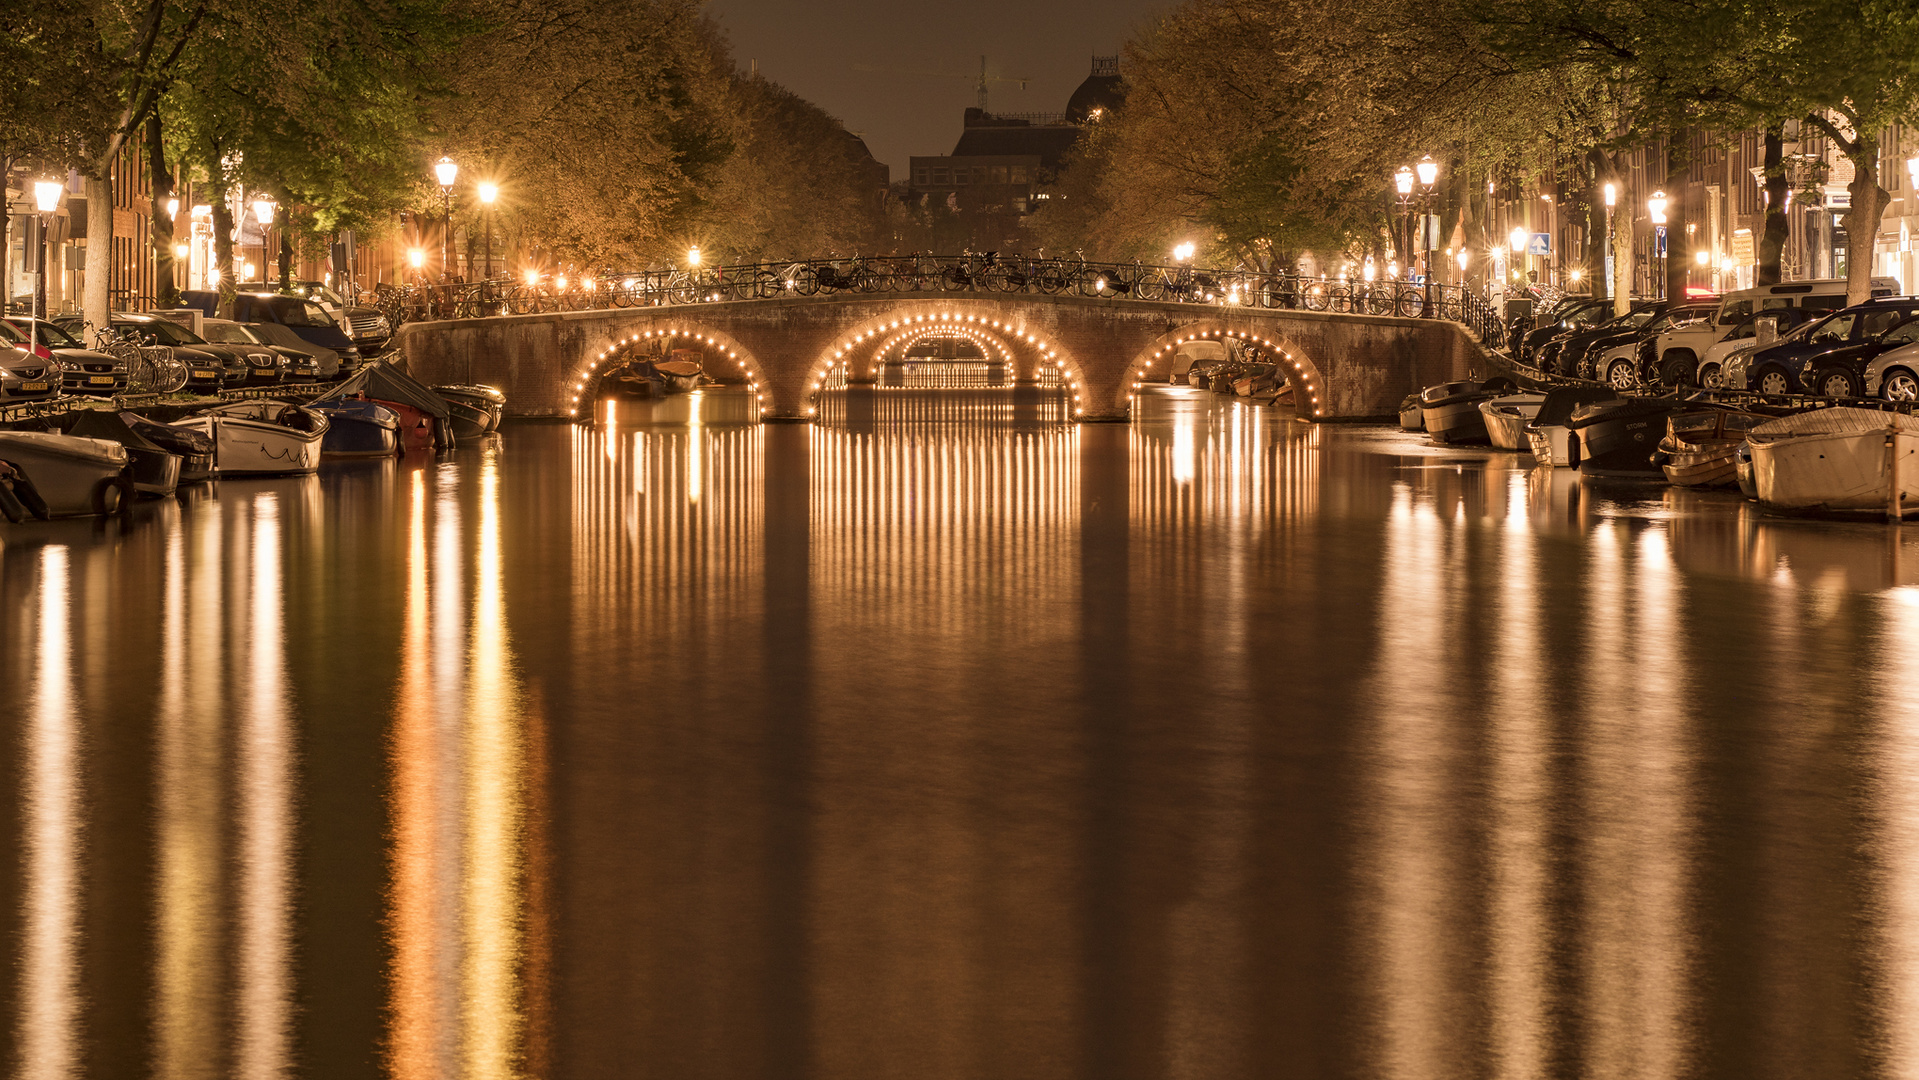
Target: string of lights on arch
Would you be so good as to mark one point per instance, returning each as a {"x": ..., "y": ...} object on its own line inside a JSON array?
[
  {"x": 1302, "y": 372},
  {"x": 616, "y": 354},
  {"x": 967, "y": 326}
]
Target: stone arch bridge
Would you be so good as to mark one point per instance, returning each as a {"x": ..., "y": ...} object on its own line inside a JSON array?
[{"x": 1351, "y": 365}]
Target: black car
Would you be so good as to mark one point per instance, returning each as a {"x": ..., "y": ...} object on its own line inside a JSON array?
[
  {"x": 1841, "y": 372},
  {"x": 1570, "y": 315},
  {"x": 305, "y": 318},
  {"x": 1782, "y": 368},
  {"x": 295, "y": 366},
  {"x": 84, "y": 370},
  {"x": 1574, "y": 349}
]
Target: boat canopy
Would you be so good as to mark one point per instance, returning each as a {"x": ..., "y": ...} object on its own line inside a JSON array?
[
  {"x": 100, "y": 424},
  {"x": 1560, "y": 402},
  {"x": 384, "y": 382}
]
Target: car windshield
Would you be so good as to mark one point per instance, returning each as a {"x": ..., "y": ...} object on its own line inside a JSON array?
[
  {"x": 302, "y": 313},
  {"x": 162, "y": 331},
  {"x": 324, "y": 295},
  {"x": 49, "y": 335},
  {"x": 1903, "y": 334},
  {"x": 1835, "y": 328},
  {"x": 229, "y": 333}
]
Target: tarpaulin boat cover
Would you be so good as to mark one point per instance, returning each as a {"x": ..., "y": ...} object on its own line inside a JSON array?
[
  {"x": 1840, "y": 420},
  {"x": 98, "y": 424},
  {"x": 1560, "y": 402},
  {"x": 382, "y": 382},
  {"x": 1594, "y": 412}
]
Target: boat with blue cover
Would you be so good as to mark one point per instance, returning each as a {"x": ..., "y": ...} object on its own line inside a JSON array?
[{"x": 358, "y": 429}]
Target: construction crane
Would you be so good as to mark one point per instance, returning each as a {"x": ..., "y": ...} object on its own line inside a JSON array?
[{"x": 980, "y": 81}]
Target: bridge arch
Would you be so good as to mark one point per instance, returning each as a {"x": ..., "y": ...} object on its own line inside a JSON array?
[
  {"x": 1301, "y": 370},
  {"x": 1026, "y": 347},
  {"x": 586, "y": 379}
]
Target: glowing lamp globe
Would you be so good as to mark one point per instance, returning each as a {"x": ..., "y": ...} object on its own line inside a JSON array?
[
  {"x": 1428, "y": 170},
  {"x": 46, "y": 195}
]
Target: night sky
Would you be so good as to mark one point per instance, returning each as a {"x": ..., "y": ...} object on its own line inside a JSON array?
[{"x": 815, "y": 49}]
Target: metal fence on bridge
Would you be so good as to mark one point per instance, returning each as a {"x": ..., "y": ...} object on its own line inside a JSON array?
[{"x": 934, "y": 275}]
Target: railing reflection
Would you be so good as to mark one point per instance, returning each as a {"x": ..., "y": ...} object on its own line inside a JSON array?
[{"x": 1199, "y": 457}]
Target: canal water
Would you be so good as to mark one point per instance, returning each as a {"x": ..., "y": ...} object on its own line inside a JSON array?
[{"x": 946, "y": 739}]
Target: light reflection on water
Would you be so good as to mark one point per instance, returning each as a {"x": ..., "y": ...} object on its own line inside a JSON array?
[{"x": 948, "y": 739}]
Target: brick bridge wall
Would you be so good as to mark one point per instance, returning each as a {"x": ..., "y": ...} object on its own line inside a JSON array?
[{"x": 1358, "y": 365}]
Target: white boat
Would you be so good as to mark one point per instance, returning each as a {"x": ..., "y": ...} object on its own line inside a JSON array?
[
  {"x": 1835, "y": 459},
  {"x": 1546, "y": 431},
  {"x": 261, "y": 438},
  {"x": 1506, "y": 419},
  {"x": 71, "y": 475},
  {"x": 1411, "y": 416},
  {"x": 1451, "y": 412}
]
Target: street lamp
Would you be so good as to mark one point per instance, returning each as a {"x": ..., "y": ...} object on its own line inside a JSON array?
[
  {"x": 1656, "y": 209},
  {"x": 1183, "y": 252},
  {"x": 417, "y": 259},
  {"x": 263, "y": 209},
  {"x": 446, "y": 171},
  {"x": 489, "y": 191},
  {"x": 1428, "y": 171},
  {"x": 693, "y": 256},
  {"x": 46, "y": 196}
]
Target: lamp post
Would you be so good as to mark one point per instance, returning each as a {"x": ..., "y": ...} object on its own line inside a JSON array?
[
  {"x": 1656, "y": 209},
  {"x": 1403, "y": 184},
  {"x": 445, "y": 170},
  {"x": 46, "y": 196},
  {"x": 1428, "y": 171},
  {"x": 263, "y": 208},
  {"x": 489, "y": 191}
]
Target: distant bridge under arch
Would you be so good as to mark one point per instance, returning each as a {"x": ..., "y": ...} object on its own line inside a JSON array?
[{"x": 1098, "y": 348}]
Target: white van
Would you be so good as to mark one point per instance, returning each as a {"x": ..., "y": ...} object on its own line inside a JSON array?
[{"x": 1680, "y": 351}]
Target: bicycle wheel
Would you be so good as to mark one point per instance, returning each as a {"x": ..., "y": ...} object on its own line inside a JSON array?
[
  {"x": 172, "y": 376},
  {"x": 806, "y": 281},
  {"x": 1150, "y": 287},
  {"x": 1411, "y": 304},
  {"x": 1342, "y": 299}
]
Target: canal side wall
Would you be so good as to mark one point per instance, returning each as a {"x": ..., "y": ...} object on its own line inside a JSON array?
[{"x": 1357, "y": 366}]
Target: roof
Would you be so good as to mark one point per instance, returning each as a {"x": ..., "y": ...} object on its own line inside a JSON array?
[
  {"x": 1015, "y": 138},
  {"x": 1102, "y": 91}
]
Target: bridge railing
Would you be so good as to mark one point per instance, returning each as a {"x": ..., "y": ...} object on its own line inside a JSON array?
[{"x": 944, "y": 274}]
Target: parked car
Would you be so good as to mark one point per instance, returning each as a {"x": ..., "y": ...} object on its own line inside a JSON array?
[
  {"x": 1781, "y": 368},
  {"x": 1570, "y": 315},
  {"x": 83, "y": 370},
  {"x": 1724, "y": 364},
  {"x": 1575, "y": 349},
  {"x": 295, "y": 366},
  {"x": 1683, "y": 349},
  {"x": 367, "y": 327},
  {"x": 1843, "y": 372},
  {"x": 1894, "y": 373},
  {"x": 209, "y": 367},
  {"x": 1655, "y": 366},
  {"x": 305, "y": 318},
  {"x": 27, "y": 372}
]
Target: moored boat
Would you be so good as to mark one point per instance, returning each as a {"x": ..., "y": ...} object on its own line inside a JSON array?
[
  {"x": 1411, "y": 416},
  {"x": 194, "y": 448},
  {"x": 487, "y": 398},
  {"x": 153, "y": 469},
  {"x": 67, "y": 475},
  {"x": 468, "y": 421},
  {"x": 425, "y": 420},
  {"x": 261, "y": 438},
  {"x": 358, "y": 429},
  {"x": 680, "y": 376},
  {"x": 1451, "y": 412},
  {"x": 1507, "y": 417},
  {"x": 1835, "y": 459},
  {"x": 1617, "y": 438},
  {"x": 1546, "y": 431},
  {"x": 1698, "y": 448}
]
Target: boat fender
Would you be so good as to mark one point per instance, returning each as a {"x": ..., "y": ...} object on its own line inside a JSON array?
[
  {"x": 28, "y": 495},
  {"x": 113, "y": 495},
  {"x": 1572, "y": 449}
]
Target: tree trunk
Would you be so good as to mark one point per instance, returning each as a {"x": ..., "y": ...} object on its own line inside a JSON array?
[
  {"x": 1620, "y": 218},
  {"x": 6, "y": 244},
  {"x": 1772, "y": 244},
  {"x": 223, "y": 248},
  {"x": 1862, "y": 220},
  {"x": 165, "y": 292},
  {"x": 286, "y": 261},
  {"x": 97, "y": 299}
]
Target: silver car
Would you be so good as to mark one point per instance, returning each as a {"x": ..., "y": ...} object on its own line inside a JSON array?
[
  {"x": 1894, "y": 374},
  {"x": 26, "y": 376}
]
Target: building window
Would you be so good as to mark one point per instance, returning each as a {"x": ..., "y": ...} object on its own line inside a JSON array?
[
  {"x": 1018, "y": 174},
  {"x": 939, "y": 174},
  {"x": 961, "y": 176},
  {"x": 996, "y": 174},
  {"x": 922, "y": 176}
]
